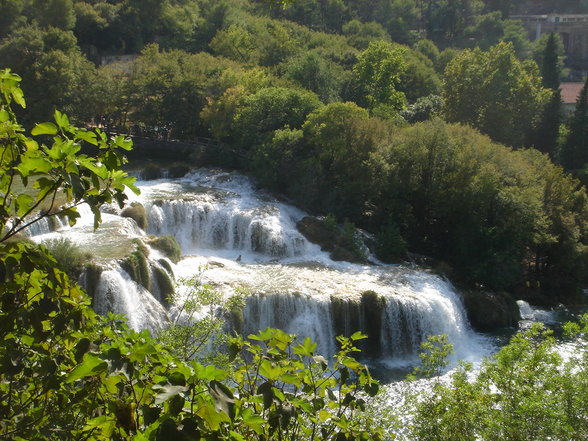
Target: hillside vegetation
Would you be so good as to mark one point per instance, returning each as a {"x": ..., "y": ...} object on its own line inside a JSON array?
[{"x": 414, "y": 120}]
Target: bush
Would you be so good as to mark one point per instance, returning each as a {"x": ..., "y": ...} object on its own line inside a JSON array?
[
  {"x": 390, "y": 244},
  {"x": 524, "y": 392},
  {"x": 69, "y": 257}
]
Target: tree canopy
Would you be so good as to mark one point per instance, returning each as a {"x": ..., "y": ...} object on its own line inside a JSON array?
[{"x": 494, "y": 92}]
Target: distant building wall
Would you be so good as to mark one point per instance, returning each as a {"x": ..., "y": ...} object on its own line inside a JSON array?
[{"x": 573, "y": 29}]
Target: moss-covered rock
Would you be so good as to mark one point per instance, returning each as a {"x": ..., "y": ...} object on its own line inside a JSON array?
[
  {"x": 91, "y": 278},
  {"x": 165, "y": 283},
  {"x": 237, "y": 319},
  {"x": 69, "y": 256},
  {"x": 166, "y": 265},
  {"x": 136, "y": 265},
  {"x": 490, "y": 311},
  {"x": 136, "y": 212},
  {"x": 346, "y": 314},
  {"x": 372, "y": 309},
  {"x": 178, "y": 171},
  {"x": 169, "y": 246},
  {"x": 151, "y": 172},
  {"x": 331, "y": 239}
]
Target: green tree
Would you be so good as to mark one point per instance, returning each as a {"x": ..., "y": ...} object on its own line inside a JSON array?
[
  {"x": 55, "y": 72},
  {"x": 54, "y": 13},
  {"x": 490, "y": 29},
  {"x": 325, "y": 15},
  {"x": 419, "y": 79},
  {"x": 546, "y": 135},
  {"x": 494, "y": 92},
  {"x": 574, "y": 153},
  {"x": 427, "y": 48},
  {"x": 340, "y": 137},
  {"x": 376, "y": 76},
  {"x": 12, "y": 16},
  {"x": 550, "y": 63},
  {"x": 169, "y": 88},
  {"x": 526, "y": 391},
  {"x": 494, "y": 215},
  {"x": 315, "y": 73},
  {"x": 271, "y": 109},
  {"x": 360, "y": 35},
  {"x": 446, "y": 20}
]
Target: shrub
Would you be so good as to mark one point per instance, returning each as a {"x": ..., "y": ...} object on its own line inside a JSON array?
[{"x": 68, "y": 255}]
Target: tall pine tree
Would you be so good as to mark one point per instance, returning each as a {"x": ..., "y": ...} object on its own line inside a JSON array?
[
  {"x": 550, "y": 67},
  {"x": 544, "y": 137},
  {"x": 574, "y": 153}
]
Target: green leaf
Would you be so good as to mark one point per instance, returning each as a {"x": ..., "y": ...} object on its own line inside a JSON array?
[
  {"x": 23, "y": 203},
  {"x": 18, "y": 97},
  {"x": 46, "y": 128},
  {"x": 139, "y": 353},
  {"x": 270, "y": 370},
  {"x": 211, "y": 417},
  {"x": 34, "y": 165},
  {"x": 255, "y": 422},
  {"x": 105, "y": 423},
  {"x": 61, "y": 119},
  {"x": 123, "y": 143},
  {"x": 358, "y": 336},
  {"x": 306, "y": 348},
  {"x": 235, "y": 436},
  {"x": 89, "y": 137},
  {"x": 91, "y": 365}
]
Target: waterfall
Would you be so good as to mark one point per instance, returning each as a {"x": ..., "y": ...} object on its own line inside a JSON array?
[
  {"x": 396, "y": 322},
  {"x": 206, "y": 224},
  {"x": 116, "y": 292},
  {"x": 295, "y": 314},
  {"x": 245, "y": 238},
  {"x": 529, "y": 313}
]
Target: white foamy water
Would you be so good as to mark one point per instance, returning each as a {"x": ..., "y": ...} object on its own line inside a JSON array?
[
  {"x": 532, "y": 314},
  {"x": 117, "y": 293},
  {"x": 245, "y": 238}
]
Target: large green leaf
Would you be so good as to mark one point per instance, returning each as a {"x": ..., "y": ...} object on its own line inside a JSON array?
[
  {"x": 46, "y": 128},
  {"x": 90, "y": 365}
]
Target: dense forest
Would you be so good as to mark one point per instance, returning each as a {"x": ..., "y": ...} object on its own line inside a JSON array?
[
  {"x": 434, "y": 125},
  {"x": 412, "y": 120}
]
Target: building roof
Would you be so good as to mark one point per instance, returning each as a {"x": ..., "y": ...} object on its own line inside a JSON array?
[{"x": 570, "y": 92}]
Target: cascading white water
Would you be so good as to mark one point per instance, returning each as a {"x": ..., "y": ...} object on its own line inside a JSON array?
[
  {"x": 531, "y": 314},
  {"x": 247, "y": 239},
  {"x": 117, "y": 293},
  {"x": 211, "y": 224},
  {"x": 295, "y": 314},
  {"x": 396, "y": 316}
]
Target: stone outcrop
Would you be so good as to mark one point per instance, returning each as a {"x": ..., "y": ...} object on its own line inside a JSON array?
[
  {"x": 490, "y": 311},
  {"x": 330, "y": 239}
]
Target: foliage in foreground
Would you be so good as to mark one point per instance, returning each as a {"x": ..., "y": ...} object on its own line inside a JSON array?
[
  {"x": 527, "y": 391},
  {"x": 68, "y": 374}
]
